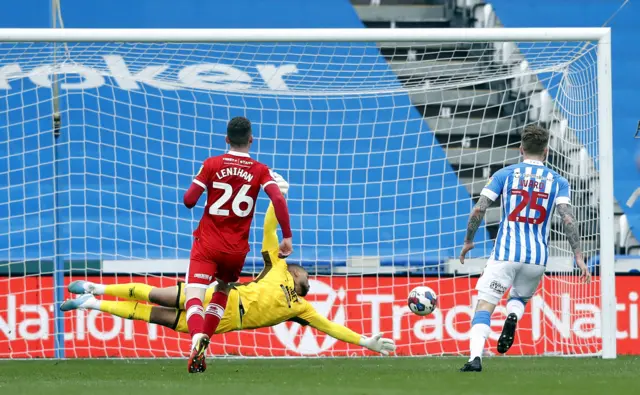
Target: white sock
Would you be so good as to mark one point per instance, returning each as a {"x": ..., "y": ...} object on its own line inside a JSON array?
[
  {"x": 91, "y": 304},
  {"x": 515, "y": 306},
  {"x": 96, "y": 289},
  {"x": 479, "y": 334}
]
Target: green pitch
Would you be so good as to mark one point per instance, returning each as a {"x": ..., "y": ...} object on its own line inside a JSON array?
[{"x": 438, "y": 376}]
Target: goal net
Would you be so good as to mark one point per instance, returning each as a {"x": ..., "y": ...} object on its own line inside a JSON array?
[{"x": 386, "y": 147}]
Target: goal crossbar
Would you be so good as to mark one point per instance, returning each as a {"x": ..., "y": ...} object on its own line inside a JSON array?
[{"x": 303, "y": 35}]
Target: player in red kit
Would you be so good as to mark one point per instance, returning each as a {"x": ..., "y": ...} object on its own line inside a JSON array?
[{"x": 232, "y": 182}]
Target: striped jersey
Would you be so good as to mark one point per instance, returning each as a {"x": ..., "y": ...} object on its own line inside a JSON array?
[{"x": 529, "y": 192}]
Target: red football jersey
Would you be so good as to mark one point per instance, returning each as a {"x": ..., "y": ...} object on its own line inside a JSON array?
[{"x": 232, "y": 181}]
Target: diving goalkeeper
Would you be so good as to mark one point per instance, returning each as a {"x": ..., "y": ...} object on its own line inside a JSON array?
[{"x": 275, "y": 296}]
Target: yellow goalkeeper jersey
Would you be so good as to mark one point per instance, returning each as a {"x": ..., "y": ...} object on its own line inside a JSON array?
[{"x": 271, "y": 298}]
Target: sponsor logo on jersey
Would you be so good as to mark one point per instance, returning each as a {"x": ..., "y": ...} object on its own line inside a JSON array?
[
  {"x": 516, "y": 173},
  {"x": 497, "y": 287},
  {"x": 203, "y": 276},
  {"x": 488, "y": 181},
  {"x": 305, "y": 340},
  {"x": 289, "y": 294},
  {"x": 215, "y": 309}
]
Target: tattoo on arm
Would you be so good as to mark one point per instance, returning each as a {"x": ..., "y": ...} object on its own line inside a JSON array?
[
  {"x": 477, "y": 214},
  {"x": 570, "y": 227}
]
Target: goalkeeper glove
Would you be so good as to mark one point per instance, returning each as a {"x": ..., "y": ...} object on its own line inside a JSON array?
[
  {"x": 378, "y": 343},
  {"x": 282, "y": 183}
]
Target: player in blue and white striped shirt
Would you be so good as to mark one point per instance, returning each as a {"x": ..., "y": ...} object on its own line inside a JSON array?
[{"x": 530, "y": 192}]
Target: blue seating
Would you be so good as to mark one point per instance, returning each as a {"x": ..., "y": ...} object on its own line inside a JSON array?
[
  {"x": 368, "y": 177},
  {"x": 625, "y": 77}
]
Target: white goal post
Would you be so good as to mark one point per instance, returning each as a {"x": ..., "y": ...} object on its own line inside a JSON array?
[{"x": 102, "y": 129}]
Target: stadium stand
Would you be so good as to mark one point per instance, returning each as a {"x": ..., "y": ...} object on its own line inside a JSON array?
[
  {"x": 626, "y": 82},
  {"x": 326, "y": 242},
  {"x": 504, "y": 112},
  {"x": 478, "y": 116}
]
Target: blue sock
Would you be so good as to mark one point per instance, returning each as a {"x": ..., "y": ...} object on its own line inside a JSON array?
[{"x": 481, "y": 317}]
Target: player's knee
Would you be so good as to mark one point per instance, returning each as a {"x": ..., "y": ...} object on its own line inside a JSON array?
[
  {"x": 487, "y": 301},
  {"x": 164, "y": 316},
  {"x": 515, "y": 296},
  {"x": 193, "y": 292},
  {"x": 164, "y": 296},
  {"x": 514, "y": 299}
]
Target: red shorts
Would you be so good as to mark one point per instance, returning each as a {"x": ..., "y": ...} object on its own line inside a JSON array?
[{"x": 207, "y": 265}]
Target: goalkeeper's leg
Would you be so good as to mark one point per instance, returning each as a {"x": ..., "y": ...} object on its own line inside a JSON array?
[
  {"x": 129, "y": 310},
  {"x": 168, "y": 297}
]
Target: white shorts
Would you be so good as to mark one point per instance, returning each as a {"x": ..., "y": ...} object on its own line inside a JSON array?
[{"x": 498, "y": 276}]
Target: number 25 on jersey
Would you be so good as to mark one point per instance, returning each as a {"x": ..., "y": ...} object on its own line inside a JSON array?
[{"x": 537, "y": 212}]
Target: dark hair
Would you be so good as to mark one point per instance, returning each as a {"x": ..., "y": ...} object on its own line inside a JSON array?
[
  {"x": 296, "y": 267},
  {"x": 534, "y": 140},
  {"x": 239, "y": 131}
]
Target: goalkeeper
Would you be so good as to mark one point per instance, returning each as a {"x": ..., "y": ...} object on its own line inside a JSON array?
[{"x": 275, "y": 296}]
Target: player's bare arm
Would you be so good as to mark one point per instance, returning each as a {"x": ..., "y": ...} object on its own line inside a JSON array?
[
  {"x": 475, "y": 219},
  {"x": 572, "y": 233}
]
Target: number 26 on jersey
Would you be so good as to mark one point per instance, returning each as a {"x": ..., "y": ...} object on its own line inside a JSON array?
[{"x": 241, "y": 197}]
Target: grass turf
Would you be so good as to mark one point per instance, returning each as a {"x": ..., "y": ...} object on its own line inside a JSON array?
[{"x": 512, "y": 376}]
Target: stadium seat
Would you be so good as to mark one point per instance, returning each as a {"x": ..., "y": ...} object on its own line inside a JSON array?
[
  {"x": 627, "y": 263},
  {"x": 623, "y": 263},
  {"x": 484, "y": 16},
  {"x": 467, "y": 3},
  {"x": 525, "y": 82},
  {"x": 506, "y": 53},
  {"x": 541, "y": 107},
  {"x": 581, "y": 163},
  {"x": 558, "y": 131},
  {"x": 627, "y": 241},
  {"x": 384, "y": 12}
]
